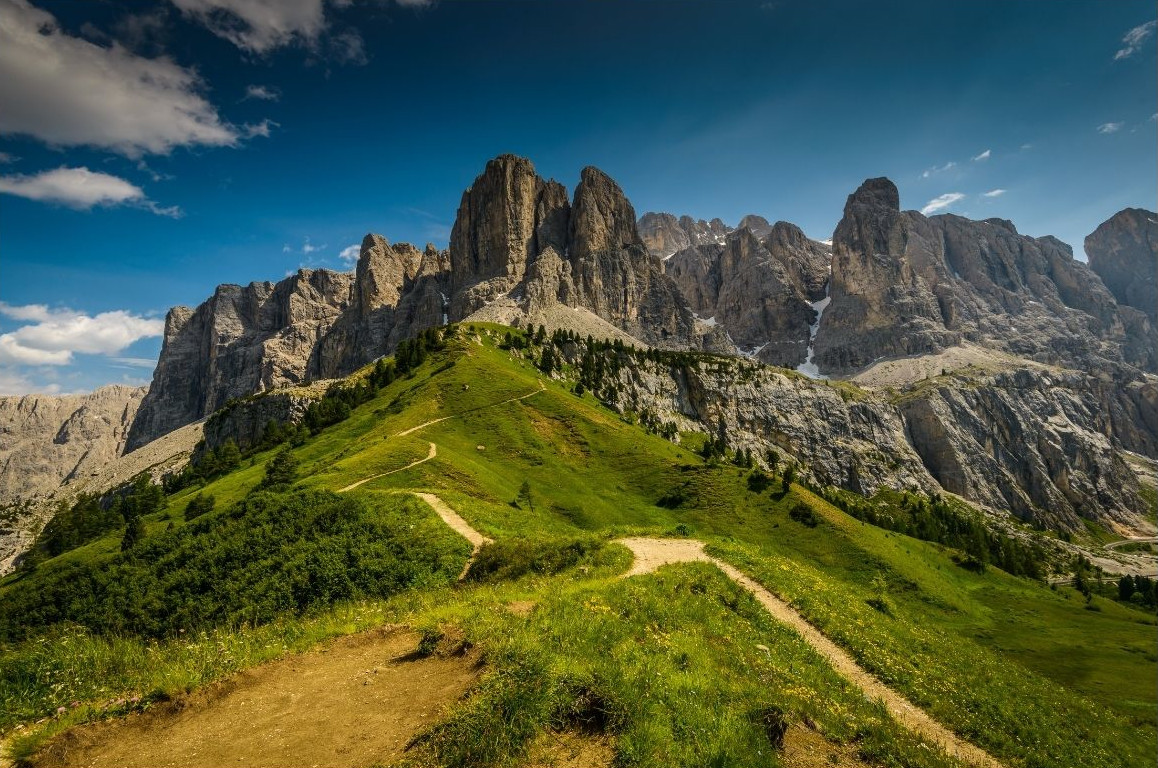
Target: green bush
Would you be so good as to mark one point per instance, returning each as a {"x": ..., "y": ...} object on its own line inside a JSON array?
[
  {"x": 512, "y": 558},
  {"x": 199, "y": 505},
  {"x": 266, "y": 555},
  {"x": 803, "y": 514}
]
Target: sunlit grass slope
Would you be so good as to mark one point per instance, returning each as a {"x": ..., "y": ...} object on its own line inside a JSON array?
[{"x": 683, "y": 666}]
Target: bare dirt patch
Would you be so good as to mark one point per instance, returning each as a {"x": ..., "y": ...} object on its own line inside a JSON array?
[
  {"x": 355, "y": 702},
  {"x": 806, "y": 748},
  {"x": 571, "y": 749}
]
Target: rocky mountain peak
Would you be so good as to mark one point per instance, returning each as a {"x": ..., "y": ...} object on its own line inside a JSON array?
[
  {"x": 602, "y": 219},
  {"x": 757, "y": 224},
  {"x": 880, "y": 192},
  {"x": 1122, "y": 251}
]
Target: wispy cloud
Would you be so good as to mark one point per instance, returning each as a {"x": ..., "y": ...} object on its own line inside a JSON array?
[
  {"x": 993, "y": 193},
  {"x": 262, "y": 93},
  {"x": 259, "y": 26},
  {"x": 350, "y": 253},
  {"x": 52, "y": 336},
  {"x": 983, "y": 156},
  {"x": 6, "y": 158},
  {"x": 941, "y": 202},
  {"x": 1110, "y": 127},
  {"x": 938, "y": 169},
  {"x": 135, "y": 362},
  {"x": 261, "y": 129},
  {"x": 82, "y": 189},
  {"x": 1132, "y": 41}
]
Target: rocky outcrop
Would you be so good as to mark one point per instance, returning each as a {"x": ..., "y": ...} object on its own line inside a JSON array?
[
  {"x": 663, "y": 234},
  {"x": 1041, "y": 444},
  {"x": 245, "y": 421},
  {"x": 838, "y": 435},
  {"x": 759, "y": 288},
  {"x": 242, "y": 340},
  {"x": 46, "y": 440},
  {"x": 905, "y": 284},
  {"x": 517, "y": 240},
  {"x": 1123, "y": 251}
]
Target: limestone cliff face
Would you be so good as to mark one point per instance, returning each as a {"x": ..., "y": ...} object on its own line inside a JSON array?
[
  {"x": 905, "y": 284},
  {"x": 242, "y": 340},
  {"x": 516, "y": 239},
  {"x": 1042, "y": 444},
  {"x": 46, "y": 440},
  {"x": 758, "y": 287},
  {"x": 664, "y": 235},
  {"x": 1123, "y": 251}
]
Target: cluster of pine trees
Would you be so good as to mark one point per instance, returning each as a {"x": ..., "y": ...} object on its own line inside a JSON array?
[{"x": 934, "y": 519}]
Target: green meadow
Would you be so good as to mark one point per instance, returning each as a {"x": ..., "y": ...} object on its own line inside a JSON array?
[{"x": 679, "y": 668}]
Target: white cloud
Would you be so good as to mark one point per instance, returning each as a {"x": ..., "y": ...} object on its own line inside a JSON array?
[
  {"x": 1110, "y": 127},
  {"x": 308, "y": 247},
  {"x": 350, "y": 253},
  {"x": 938, "y": 169},
  {"x": 259, "y": 26},
  {"x": 261, "y": 129},
  {"x": 68, "y": 91},
  {"x": 993, "y": 193},
  {"x": 983, "y": 156},
  {"x": 56, "y": 334},
  {"x": 82, "y": 189},
  {"x": 941, "y": 202},
  {"x": 262, "y": 93},
  {"x": 1026, "y": 146},
  {"x": 16, "y": 384},
  {"x": 1132, "y": 40},
  {"x": 6, "y": 158}
]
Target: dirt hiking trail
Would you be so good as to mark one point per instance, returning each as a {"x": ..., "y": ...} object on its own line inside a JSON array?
[
  {"x": 429, "y": 455},
  {"x": 352, "y": 703},
  {"x": 650, "y": 554}
]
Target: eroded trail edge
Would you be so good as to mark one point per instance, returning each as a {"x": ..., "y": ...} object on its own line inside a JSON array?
[
  {"x": 650, "y": 554},
  {"x": 458, "y": 525}
]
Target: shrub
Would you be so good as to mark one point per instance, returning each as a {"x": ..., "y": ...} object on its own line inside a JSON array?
[
  {"x": 803, "y": 514},
  {"x": 512, "y": 558},
  {"x": 198, "y": 506}
]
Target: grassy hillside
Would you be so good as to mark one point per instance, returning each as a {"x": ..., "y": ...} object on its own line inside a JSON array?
[{"x": 680, "y": 668}]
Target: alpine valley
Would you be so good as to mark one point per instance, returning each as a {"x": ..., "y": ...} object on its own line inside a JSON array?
[{"x": 922, "y": 456}]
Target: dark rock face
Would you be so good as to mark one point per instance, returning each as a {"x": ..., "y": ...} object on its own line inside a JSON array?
[
  {"x": 240, "y": 341},
  {"x": 1123, "y": 251},
  {"x": 904, "y": 284},
  {"x": 759, "y": 288}
]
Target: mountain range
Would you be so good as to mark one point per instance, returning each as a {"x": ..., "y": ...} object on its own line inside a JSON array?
[{"x": 910, "y": 351}]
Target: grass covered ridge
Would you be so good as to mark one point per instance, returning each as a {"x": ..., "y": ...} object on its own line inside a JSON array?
[{"x": 648, "y": 660}]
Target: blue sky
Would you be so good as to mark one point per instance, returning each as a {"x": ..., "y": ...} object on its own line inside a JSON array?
[{"x": 150, "y": 152}]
